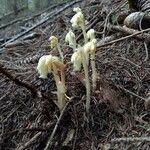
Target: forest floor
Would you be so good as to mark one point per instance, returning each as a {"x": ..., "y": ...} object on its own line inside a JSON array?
[{"x": 119, "y": 117}]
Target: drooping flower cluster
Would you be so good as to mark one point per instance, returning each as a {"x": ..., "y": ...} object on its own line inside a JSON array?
[
  {"x": 71, "y": 39},
  {"x": 82, "y": 54},
  {"x": 81, "y": 57},
  {"x": 55, "y": 44},
  {"x": 51, "y": 64}
]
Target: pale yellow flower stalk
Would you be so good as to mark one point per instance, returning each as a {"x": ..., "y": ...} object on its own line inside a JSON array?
[
  {"x": 91, "y": 34},
  {"x": 87, "y": 48},
  {"x": 42, "y": 68},
  {"x": 77, "y": 9},
  {"x": 78, "y": 21},
  {"x": 91, "y": 47},
  {"x": 55, "y": 44},
  {"x": 71, "y": 39},
  {"x": 93, "y": 65},
  {"x": 78, "y": 59},
  {"x": 52, "y": 64}
]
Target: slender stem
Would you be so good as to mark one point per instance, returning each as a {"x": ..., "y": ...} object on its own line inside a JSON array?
[
  {"x": 56, "y": 76},
  {"x": 63, "y": 77},
  {"x": 74, "y": 46},
  {"x": 63, "y": 93},
  {"x": 84, "y": 33},
  {"x": 60, "y": 52},
  {"x": 60, "y": 97},
  {"x": 87, "y": 82},
  {"x": 94, "y": 72},
  {"x": 87, "y": 58}
]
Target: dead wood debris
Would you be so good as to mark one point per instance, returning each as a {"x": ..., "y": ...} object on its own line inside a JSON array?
[
  {"x": 51, "y": 15},
  {"x": 139, "y": 5},
  {"x": 120, "y": 104},
  {"x": 134, "y": 139}
]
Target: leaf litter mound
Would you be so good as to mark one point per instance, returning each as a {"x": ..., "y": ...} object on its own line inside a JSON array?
[{"x": 119, "y": 115}]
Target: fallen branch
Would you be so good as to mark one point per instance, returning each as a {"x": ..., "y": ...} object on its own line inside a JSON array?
[
  {"x": 2, "y": 40},
  {"x": 25, "y": 41},
  {"x": 132, "y": 139},
  {"x": 30, "y": 142},
  {"x": 16, "y": 43},
  {"x": 8, "y": 134},
  {"x": 132, "y": 93},
  {"x": 49, "y": 143},
  {"x": 31, "y": 36},
  {"x": 10, "y": 23},
  {"x": 22, "y": 20},
  {"x": 147, "y": 102},
  {"x": 41, "y": 22},
  {"x": 126, "y": 30},
  {"x": 28, "y": 86},
  {"x": 11, "y": 133},
  {"x": 17, "y": 81},
  {"x": 124, "y": 38}
]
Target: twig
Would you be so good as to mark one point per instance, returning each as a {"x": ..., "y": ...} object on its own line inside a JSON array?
[
  {"x": 129, "y": 31},
  {"x": 25, "y": 130},
  {"x": 11, "y": 113},
  {"x": 146, "y": 51},
  {"x": 48, "y": 145},
  {"x": 106, "y": 22},
  {"x": 124, "y": 38},
  {"x": 10, "y": 23},
  {"x": 31, "y": 141},
  {"x": 10, "y": 133},
  {"x": 130, "y": 139},
  {"x": 16, "y": 43},
  {"x": 132, "y": 93},
  {"x": 131, "y": 62},
  {"x": 17, "y": 81}
]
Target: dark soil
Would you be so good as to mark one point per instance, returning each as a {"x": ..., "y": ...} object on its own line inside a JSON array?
[{"x": 117, "y": 105}]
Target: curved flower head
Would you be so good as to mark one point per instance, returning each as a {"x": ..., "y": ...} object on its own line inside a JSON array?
[
  {"x": 87, "y": 47},
  {"x": 71, "y": 39},
  {"x": 93, "y": 45},
  {"x": 42, "y": 68},
  {"x": 48, "y": 64},
  {"x": 53, "y": 62},
  {"x": 76, "y": 59},
  {"x": 77, "y": 20},
  {"x": 53, "y": 41},
  {"x": 90, "y": 47},
  {"x": 54, "y": 44},
  {"x": 77, "y": 9},
  {"x": 91, "y": 34}
]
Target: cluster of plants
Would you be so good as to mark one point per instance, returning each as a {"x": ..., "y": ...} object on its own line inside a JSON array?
[{"x": 83, "y": 57}]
